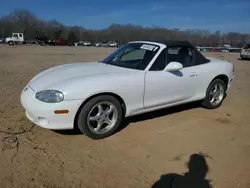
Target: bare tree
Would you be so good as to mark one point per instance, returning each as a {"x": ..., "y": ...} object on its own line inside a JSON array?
[{"x": 26, "y": 22}]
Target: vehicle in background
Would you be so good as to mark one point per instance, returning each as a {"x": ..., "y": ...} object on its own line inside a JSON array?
[
  {"x": 96, "y": 44},
  {"x": 227, "y": 46},
  {"x": 214, "y": 50},
  {"x": 2, "y": 40},
  {"x": 234, "y": 49},
  {"x": 225, "y": 50},
  {"x": 203, "y": 49},
  {"x": 42, "y": 40},
  {"x": 84, "y": 43},
  {"x": 104, "y": 44},
  {"x": 16, "y": 38},
  {"x": 30, "y": 41},
  {"x": 245, "y": 52},
  {"x": 51, "y": 42},
  {"x": 113, "y": 44},
  {"x": 63, "y": 42}
]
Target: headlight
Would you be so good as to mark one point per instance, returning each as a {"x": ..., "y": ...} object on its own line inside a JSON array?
[{"x": 50, "y": 96}]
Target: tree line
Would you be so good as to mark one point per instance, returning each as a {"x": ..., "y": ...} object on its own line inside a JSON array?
[{"x": 24, "y": 21}]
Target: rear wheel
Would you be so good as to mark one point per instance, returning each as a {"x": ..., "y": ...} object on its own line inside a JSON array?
[
  {"x": 215, "y": 95},
  {"x": 100, "y": 117}
]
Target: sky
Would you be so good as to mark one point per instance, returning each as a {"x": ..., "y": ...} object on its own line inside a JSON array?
[{"x": 223, "y": 15}]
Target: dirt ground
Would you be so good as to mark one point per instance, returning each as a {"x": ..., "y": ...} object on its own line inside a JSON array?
[{"x": 149, "y": 146}]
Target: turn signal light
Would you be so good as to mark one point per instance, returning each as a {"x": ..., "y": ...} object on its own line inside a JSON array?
[{"x": 61, "y": 111}]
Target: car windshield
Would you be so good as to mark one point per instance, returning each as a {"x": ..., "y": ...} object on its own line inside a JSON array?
[{"x": 132, "y": 55}]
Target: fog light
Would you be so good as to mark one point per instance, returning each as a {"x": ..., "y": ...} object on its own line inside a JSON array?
[{"x": 42, "y": 121}]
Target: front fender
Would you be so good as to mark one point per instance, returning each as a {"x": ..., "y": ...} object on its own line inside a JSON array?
[{"x": 129, "y": 86}]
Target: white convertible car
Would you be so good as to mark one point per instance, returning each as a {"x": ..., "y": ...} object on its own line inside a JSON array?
[{"x": 139, "y": 77}]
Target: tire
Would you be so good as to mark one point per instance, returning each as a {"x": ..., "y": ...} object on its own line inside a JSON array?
[
  {"x": 11, "y": 43},
  {"x": 42, "y": 43},
  {"x": 220, "y": 95},
  {"x": 92, "y": 111}
]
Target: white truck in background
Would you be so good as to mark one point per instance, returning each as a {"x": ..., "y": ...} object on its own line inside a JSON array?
[{"x": 17, "y": 38}]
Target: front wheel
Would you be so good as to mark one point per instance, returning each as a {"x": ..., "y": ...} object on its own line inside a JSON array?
[
  {"x": 215, "y": 95},
  {"x": 42, "y": 43},
  {"x": 11, "y": 43},
  {"x": 100, "y": 117}
]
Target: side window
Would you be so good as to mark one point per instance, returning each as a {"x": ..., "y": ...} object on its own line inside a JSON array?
[
  {"x": 183, "y": 55},
  {"x": 20, "y": 35},
  {"x": 15, "y": 35},
  {"x": 160, "y": 63}
]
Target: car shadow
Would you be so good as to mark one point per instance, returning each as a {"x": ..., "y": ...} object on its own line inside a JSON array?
[
  {"x": 158, "y": 113},
  {"x": 74, "y": 131},
  {"x": 195, "y": 177},
  {"x": 243, "y": 59}
]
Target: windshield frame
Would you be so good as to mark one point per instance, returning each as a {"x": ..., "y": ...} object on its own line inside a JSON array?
[{"x": 108, "y": 59}]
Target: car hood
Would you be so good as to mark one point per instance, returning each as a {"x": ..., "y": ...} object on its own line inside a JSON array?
[
  {"x": 8, "y": 38},
  {"x": 50, "y": 77}
]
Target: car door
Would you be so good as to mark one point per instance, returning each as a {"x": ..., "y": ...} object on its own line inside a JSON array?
[{"x": 166, "y": 87}]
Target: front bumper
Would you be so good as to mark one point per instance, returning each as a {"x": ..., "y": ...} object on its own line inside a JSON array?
[{"x": 43, "y": 114}]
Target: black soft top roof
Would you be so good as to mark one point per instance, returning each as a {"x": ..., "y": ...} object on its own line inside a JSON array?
[
  {"x": 199, "y": 58},
  {"x": 173, "y": 43}
]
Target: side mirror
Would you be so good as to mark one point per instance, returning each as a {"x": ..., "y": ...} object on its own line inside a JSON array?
[{"x": 174, "y": 66}]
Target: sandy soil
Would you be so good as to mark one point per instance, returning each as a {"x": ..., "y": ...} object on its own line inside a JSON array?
[{"x": 150, "y": 146}]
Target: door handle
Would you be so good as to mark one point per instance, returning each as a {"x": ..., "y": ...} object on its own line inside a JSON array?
[{"x": 193, "y": 75}]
